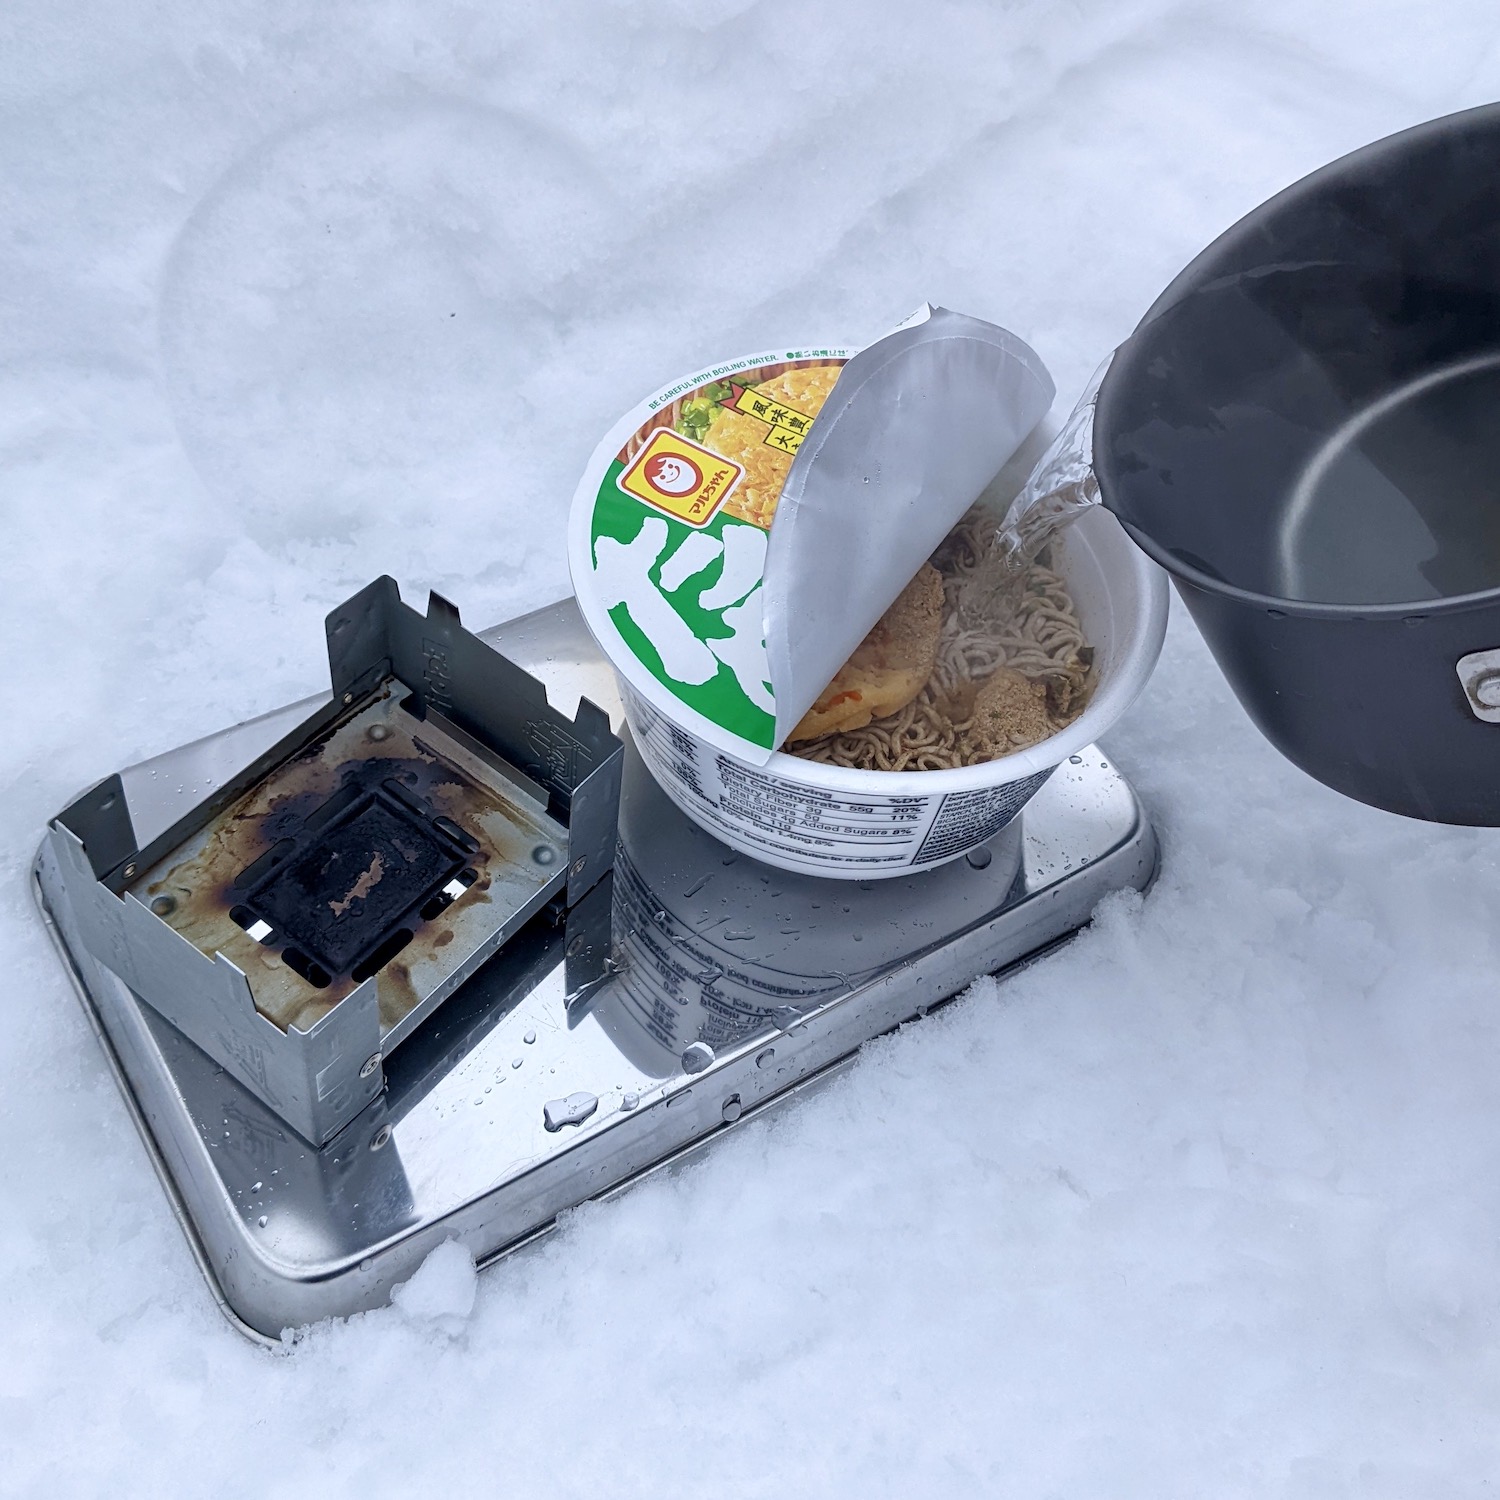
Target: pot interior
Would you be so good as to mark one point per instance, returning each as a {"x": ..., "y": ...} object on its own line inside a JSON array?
[{"x": 1311, "y": 411}]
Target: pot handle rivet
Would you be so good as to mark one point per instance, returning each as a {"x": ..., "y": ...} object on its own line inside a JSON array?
[{"x": 1479, "y": 672}]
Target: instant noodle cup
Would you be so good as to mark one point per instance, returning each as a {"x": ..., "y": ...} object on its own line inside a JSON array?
[{"x": 738, "y": 534}]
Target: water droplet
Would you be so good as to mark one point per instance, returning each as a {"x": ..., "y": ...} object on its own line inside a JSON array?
[
  {"x": 573, "y": 1110},
  {"x": 1075, "y": 760},
  {"x": 786, "y": 1016},
  {"x": 254, "y": 1187},
  {"x": 516, "y": 1063},
  {"x": 263, "y": 1220},
  {"x": 732, "y": 1110},
  {"x": 630, "y": 1101},
  {"x": 529, "y": 1038},
  {"x": 697, "y": 1057},
  {"x": 764, "y": 1057},
  {"x": 979, "y": 858}
]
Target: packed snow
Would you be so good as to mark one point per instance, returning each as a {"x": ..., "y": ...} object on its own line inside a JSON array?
[
  {"x": 443, "y": 1290},
  {"x": 1206, "y": 1204}
]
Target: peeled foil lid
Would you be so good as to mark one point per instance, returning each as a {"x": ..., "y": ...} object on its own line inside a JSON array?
[
  {"x": 916, "y": 427},
  {"x": 732, "y": 632}
]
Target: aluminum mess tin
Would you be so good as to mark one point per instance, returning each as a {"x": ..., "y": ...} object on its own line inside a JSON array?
[{"x": 869, "y": 825}]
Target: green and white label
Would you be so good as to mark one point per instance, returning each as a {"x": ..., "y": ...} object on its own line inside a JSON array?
[
  {"x": 669, "y": 533},
  {"x": 686, "y": 603}
]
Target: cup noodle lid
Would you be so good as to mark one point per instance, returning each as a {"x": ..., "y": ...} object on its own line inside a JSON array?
[{"x": 736, "y": 535}]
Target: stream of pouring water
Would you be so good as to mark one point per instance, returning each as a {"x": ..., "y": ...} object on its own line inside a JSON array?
[{"x": 1061, "y": 487}]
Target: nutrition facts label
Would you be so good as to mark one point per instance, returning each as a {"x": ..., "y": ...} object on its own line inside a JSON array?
[
  {"x": 822, "y": 827},
  {"x": 968, "y": 818}
]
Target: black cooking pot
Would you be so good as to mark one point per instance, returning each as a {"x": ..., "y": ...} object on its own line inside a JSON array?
[{"x": 1305, "y": 432}]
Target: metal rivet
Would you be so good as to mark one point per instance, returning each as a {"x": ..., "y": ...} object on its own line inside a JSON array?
[
  {"x": 378, "y": 731},
  {"x": 575, "y": 947},
  {"x": 576, "y": 868},
  {"x": 1487, "y": 690},
  {"x": 733, "y": 1109},
  {"x": 380, "y": 1138},
  {"x": 348, "y": 698},
  {"x": 129, "y": 871},
  {"x": 164, "y": 906},
  {"x": 544, "y": 854},
  {"x": 370, "y": 1064}
]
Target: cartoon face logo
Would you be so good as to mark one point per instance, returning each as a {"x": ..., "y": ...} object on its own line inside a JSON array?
[
  {"x": 673, "y": 474},
  {"x": 679, "y": 477}
]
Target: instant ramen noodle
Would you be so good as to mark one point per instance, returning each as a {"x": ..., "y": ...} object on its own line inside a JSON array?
[{"x": 1009, "y": 667}]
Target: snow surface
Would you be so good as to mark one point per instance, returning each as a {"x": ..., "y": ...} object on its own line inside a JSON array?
[
  {"x": 1205, "y": 1205},
  {"x": 443, "y": 1290}
]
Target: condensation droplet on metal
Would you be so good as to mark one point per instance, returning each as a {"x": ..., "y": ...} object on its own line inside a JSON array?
[
  {"x": 573, "y": 1110},
  {"x": 697, "y": 1057}
]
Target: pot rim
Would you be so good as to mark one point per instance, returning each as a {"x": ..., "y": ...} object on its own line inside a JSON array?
[{"x": 1199, "y": 272}]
